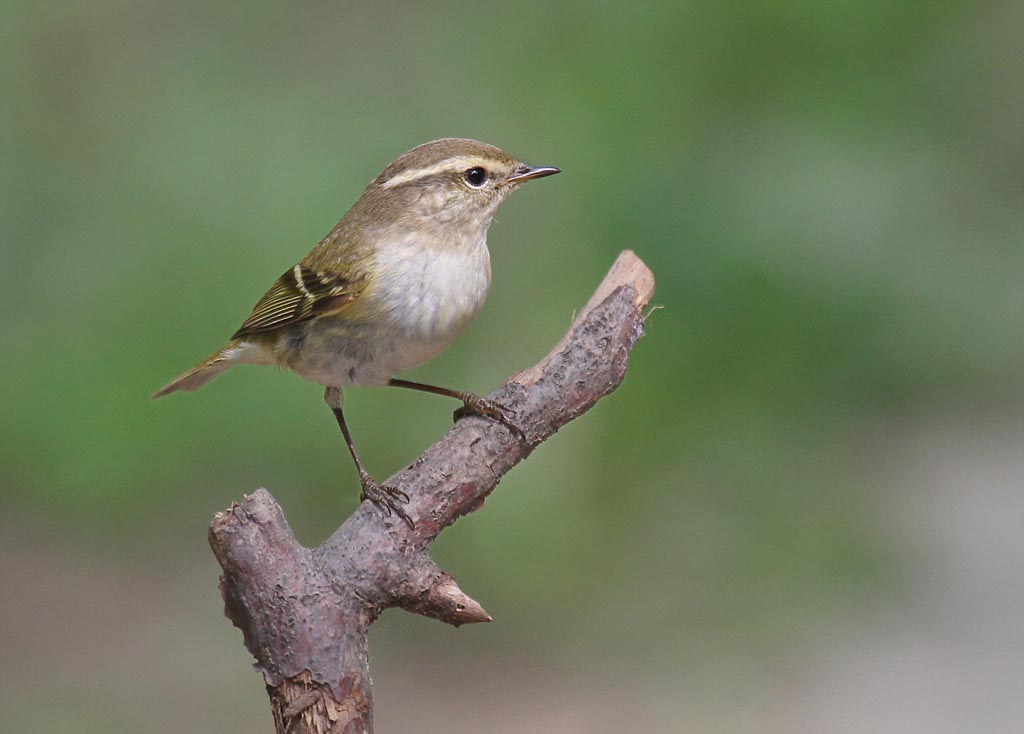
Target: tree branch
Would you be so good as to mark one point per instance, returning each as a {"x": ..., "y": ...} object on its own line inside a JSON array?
[{"x": 305, "y": 612}]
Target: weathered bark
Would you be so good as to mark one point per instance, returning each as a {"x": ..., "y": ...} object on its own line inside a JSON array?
[{"x": 305, "y": 612}]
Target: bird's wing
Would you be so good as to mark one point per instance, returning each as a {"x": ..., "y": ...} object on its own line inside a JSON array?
[{"x": 300, "y": 294}]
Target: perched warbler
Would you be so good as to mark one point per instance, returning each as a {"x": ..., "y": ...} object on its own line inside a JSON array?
[{"x": 391, "y": 285}]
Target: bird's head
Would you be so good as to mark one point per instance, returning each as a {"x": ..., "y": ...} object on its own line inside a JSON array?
[{"x": 448, "y": 187}]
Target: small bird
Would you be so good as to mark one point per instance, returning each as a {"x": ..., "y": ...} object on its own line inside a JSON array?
[{"x": 391, "y": 285}]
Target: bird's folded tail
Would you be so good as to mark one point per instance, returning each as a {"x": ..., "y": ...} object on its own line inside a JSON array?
[{"x": 202, "y": 373}]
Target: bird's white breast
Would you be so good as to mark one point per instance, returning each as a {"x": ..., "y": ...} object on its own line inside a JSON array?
[
  {"x": 429, "y": 294},
  {"x": 422, "y": 297}
]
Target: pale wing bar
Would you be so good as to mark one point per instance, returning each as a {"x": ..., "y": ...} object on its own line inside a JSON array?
[{"x": 299, "y": 294}]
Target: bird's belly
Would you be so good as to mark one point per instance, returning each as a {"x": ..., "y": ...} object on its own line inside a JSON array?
[
  {"x": 340, "y": 355},
  {"x": 420, "y": 303}
]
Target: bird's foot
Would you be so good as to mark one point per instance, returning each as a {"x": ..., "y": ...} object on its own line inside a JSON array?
[
  {"x": 389, "y": 499},
  {"x": 476, "y": 405}
]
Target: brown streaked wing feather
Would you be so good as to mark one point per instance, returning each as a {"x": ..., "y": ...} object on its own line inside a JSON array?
[{"x": 299, "y": 294}]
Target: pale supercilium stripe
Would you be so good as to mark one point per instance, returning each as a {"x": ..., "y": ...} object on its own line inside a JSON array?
[{"x": 454, "y": 163}]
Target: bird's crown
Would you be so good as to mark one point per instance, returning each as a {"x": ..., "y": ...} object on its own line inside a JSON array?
[{"x": 467, "y": 164}]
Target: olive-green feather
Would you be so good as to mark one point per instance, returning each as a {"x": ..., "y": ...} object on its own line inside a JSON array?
[{"x": 299, "y": 294}]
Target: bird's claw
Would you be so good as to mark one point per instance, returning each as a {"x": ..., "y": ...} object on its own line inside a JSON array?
[
  {"x": 389, "y": 499},
  {"x": 476, "y": 405}
]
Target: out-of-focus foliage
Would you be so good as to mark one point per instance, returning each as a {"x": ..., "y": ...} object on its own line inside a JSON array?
[{"x": 828, "y": 193}]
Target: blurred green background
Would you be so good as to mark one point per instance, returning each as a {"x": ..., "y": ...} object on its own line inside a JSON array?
[{"x": 802, "y": 510}]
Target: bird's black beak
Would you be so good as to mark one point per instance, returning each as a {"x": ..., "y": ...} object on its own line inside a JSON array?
[{"x": 527, "y": 173}]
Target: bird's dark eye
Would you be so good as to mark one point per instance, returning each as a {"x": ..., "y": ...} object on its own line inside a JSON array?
[{"x": 475, "y": 177}]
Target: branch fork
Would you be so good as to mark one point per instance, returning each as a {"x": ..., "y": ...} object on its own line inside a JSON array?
[{"x": 305, "y": 612}]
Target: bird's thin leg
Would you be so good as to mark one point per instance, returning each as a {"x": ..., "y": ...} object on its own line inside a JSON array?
[
  {"x": 389, "y": 499},
  {"x": 472, "y": 404}
]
